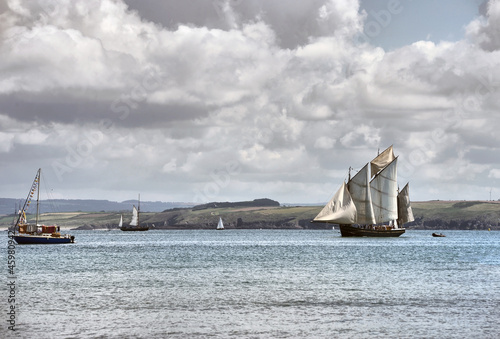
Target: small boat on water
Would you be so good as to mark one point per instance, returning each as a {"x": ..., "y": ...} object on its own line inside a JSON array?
[
  {"x": 220, "y": 225},
  {"x": 25, "y": 233},
  {"x": 134, "y": 224},
  {"x": 438, "y": 235},
  {"x": 370, "y": 205}
]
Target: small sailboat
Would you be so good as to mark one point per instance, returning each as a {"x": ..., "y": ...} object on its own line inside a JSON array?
[
  {"x": 25, "y": 233},
  {"x": 220, "y": 225},
  {"x": 365, "y": 207},
  {"x": 134, "y": 224}
]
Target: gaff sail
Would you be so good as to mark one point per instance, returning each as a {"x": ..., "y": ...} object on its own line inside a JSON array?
[
  {"x": 382, "y": 160},
  {"x": 405, "y": 213},
  {"x": 384, "y": 190},
  {"x": 359, "y": 188}
]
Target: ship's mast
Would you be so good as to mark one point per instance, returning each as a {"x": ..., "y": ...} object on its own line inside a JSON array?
[
  {"x": 37, "y": 197},
  {"x": 28, "y": 199}
]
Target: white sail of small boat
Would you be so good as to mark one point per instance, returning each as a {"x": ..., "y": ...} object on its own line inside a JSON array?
[
  {"x": 220, "y": 225},
  {"x": 135, "y": 216},
  {"x": 361, "y": 206},
  {"x": 120, "y": 224}
]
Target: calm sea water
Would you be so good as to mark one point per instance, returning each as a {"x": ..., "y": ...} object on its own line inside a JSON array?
[{"x": 258, "y": 284}]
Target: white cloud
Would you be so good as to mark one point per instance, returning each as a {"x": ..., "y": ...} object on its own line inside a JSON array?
[
  {"x": 485, "y": 32},
  {"x": 324, "y": 143},
  {"x": 494, "y": 173},
  {"x": 6, "y": 140},
  {"x": 281, "y": 88}
]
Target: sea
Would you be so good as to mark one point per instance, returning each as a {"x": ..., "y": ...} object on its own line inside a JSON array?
[{"x": 254, "y": 284}]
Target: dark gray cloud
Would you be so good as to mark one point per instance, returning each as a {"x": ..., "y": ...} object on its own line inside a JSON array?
[{"x": 293, "y": 22}]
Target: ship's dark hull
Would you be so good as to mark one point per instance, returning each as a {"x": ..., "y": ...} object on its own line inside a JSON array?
[
  {"x": 350, "y": 231},
  {"x": 35, "y": 239},
  {"x": 134, "y": 228}
]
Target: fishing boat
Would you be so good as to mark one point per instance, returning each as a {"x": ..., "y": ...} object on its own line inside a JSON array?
[
  {"x": 26, "y": 233},
  {"x": 370, "y": 205},
  {"x": 220, "y": 225},
  {"x": 134, "y": 224}
]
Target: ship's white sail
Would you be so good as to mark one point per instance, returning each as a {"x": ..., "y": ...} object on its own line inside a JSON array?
[
  {"x": 340, "y": 209},
  {"x": 384, "y": 190},
  {"x": 120, "y": 224},
  {"x": 220, "y": 225},
  {"x": 359, "y": 188},
  {"x": 133, "y": 222},
  {"x": 382, "y": 160},
  {"x": 405, "y": 213}
]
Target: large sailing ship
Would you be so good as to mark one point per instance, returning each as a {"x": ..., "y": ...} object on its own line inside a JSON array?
[
  {"x": 34, "y": 233},
  {"x": 370, "y": 205}
]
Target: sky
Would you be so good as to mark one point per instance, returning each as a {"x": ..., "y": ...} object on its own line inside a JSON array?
[{"x": 228, "y": 100}]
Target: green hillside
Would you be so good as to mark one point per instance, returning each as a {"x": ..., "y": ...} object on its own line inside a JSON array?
[
  {"x": 74, "y": 219},
  {"x": 457, "y": 214},
  {"x": 238, "y": 217},
  {"x": 428, "y": 215}
]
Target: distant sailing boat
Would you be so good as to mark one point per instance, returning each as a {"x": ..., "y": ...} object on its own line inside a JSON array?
[
  {"x": 120, "y": 224},
  {"x": 134, "y": 224},
  {"x": 220, "y": 225},
  {"x": 362, "y": 206},
  {"x": 25, "y": 233}
]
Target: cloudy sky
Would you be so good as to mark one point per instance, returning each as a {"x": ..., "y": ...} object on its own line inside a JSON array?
[{"x": 216, "y": 100}]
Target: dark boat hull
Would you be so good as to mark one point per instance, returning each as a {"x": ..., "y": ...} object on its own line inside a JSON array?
[
  {"x": 134, "y": 229},
  {"x": 35, "y": 239},
  {"x": 350, "y": 231},
  {"x": 438, "y": 235}
]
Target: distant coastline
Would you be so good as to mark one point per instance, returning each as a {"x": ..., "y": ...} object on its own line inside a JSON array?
[
  {"x": 270, "y": 214},
  {"x": 8, "y": 205}
]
